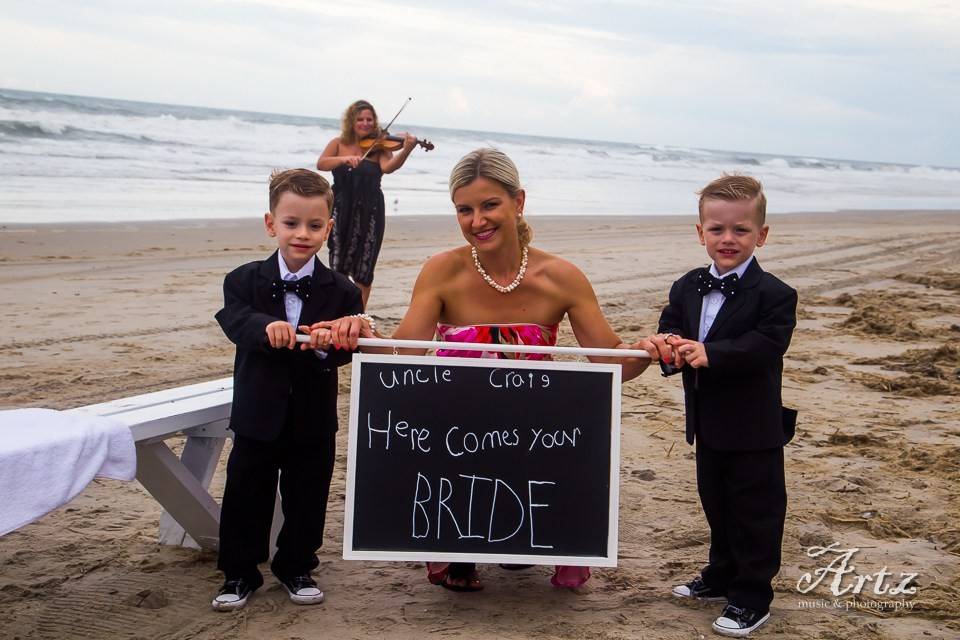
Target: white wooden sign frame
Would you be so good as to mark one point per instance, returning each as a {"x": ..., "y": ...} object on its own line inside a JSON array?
[{"x": 609, "y": 560}]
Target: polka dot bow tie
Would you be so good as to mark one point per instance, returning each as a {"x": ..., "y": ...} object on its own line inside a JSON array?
[
  {"x": 707, "y": 283},
  {"x": 301, "y": 287}
]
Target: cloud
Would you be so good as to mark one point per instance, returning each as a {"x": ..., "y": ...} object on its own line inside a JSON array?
[
  {"x": 861, "y": 78},
  {"x": 458, "y": 100}
]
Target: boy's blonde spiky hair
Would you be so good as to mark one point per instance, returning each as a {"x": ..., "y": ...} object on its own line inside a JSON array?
[{"x": 733, "y": 187}]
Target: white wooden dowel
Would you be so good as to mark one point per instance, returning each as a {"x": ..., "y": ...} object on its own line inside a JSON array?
[{"x": 509, "y": 348}]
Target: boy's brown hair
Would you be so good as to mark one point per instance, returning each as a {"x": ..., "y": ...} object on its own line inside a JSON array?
[
  {"x": 735, "y": 187},
  {"x": 302, "y": 182}
]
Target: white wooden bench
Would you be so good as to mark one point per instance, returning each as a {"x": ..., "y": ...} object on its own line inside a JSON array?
[{"x": 201, "y": 412}]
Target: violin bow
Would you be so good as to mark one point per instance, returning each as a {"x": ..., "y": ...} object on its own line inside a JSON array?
[{"x": 387, "y": 128}]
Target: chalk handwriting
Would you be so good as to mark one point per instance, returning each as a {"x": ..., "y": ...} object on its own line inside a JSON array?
[
  {"x": 469, "y": 442},
  {"x": 418, "y": 435},
  {"x": 423, "y": 520},
  {"x": 536, "y": 505},
  {"x": 504, "y": 379},
  {"x": 414, "y": 376},
  {"x": 558, "y": 438}
]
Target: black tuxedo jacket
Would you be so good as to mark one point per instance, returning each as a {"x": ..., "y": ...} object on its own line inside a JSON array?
[
  {"x": 734, "y": 404},
  {"x": 271, "y": 384}
]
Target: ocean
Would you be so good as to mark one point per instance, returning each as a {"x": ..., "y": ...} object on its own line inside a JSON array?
[{"x": 70, "y": 159}]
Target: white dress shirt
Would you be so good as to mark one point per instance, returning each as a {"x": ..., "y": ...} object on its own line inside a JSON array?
[
  {"x": 714, "y": 300},
  {"x": 291, "y": 301}
]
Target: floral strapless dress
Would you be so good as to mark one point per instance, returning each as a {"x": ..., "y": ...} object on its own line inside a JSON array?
[
  {"x": 519, "y": 333},
  {"x": 530, "y": 334}
]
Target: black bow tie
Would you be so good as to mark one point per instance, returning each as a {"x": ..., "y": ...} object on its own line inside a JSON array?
[
  {"x": 706, "y": 283},
  {"x": 300, "y": 288}
]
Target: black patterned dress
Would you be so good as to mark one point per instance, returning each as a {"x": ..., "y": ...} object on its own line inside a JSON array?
[{"x": 358, "y": 212}]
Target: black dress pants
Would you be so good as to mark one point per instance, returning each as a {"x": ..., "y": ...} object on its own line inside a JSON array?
[
  {"x": 744, "y": 497},
  {"x": 305, "y": 467}
]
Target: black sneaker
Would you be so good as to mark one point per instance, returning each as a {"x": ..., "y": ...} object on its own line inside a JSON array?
[
  {"x": 233, "y": 595},
  {"x": 697, "y": 590},
  {"x": 303, "y": 590},
  {"x": 738, "y": 622}
]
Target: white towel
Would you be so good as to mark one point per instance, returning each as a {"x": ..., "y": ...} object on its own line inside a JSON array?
[{"x": 47, "y": 457}]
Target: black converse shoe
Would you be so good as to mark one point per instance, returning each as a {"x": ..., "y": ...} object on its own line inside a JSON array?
[
  {"x": 738, "y": 622},
  {"x": 303, "y": 590},
  {"x": 233, "y": 595},
  {"x": 697, "y": 590}
]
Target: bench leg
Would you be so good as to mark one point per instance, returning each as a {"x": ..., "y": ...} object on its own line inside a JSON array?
[
  {"x": 200, "y": 457},
  {"x": 181, "y": 491}
]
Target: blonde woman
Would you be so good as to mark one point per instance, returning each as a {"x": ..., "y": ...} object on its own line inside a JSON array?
[{"x": 497, "y": 288}]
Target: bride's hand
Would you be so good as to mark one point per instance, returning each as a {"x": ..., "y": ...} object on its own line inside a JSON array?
[{"x": 345, "y": 331}]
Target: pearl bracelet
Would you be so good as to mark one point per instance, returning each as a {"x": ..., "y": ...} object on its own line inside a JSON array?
[{"x": 369, "y": 319}]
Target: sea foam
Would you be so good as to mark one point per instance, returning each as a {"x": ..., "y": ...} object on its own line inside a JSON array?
[{"x": 68, "y": 158}]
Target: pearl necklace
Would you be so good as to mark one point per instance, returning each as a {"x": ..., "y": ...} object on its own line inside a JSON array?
[{"x": 490, "y": 281}]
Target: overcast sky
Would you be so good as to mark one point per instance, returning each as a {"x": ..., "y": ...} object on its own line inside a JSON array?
[{"x": 860, "y": 79}]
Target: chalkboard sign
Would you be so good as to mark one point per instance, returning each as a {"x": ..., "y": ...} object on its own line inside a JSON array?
[{"x": 483, "y": 460}]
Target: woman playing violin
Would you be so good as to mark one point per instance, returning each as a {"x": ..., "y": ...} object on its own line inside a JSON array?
[{"x": 358, "y": 209}]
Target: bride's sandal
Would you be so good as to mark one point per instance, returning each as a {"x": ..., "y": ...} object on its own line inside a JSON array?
[
  {"x": 570, "y": 577},
  {"x": 437, "y": 572},
  {"x": 462, "y": 577}
]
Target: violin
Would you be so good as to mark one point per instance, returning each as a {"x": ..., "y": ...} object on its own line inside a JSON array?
[{"x": 387, "y": 142}]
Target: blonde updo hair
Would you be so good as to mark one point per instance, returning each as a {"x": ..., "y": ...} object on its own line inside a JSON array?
[{"x": 495, "y": 165}]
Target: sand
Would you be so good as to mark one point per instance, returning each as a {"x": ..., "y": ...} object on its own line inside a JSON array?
[{"x": 94, "y": 312}]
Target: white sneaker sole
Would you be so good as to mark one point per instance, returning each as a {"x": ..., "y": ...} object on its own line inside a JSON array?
[
  {"x": 733, "y": 632},
  {"x": 686, "y": 595},
  {"x": 229, "y": 605},
  {"x": 301, "y": 599}
]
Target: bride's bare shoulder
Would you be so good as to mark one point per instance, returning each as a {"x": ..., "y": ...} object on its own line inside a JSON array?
[{"x": 445, "y": 264}]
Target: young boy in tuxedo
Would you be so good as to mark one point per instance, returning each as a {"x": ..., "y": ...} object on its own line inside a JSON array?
[
  {"x": 726, "y": 329},
  {"x": 284, "y": 414}
]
